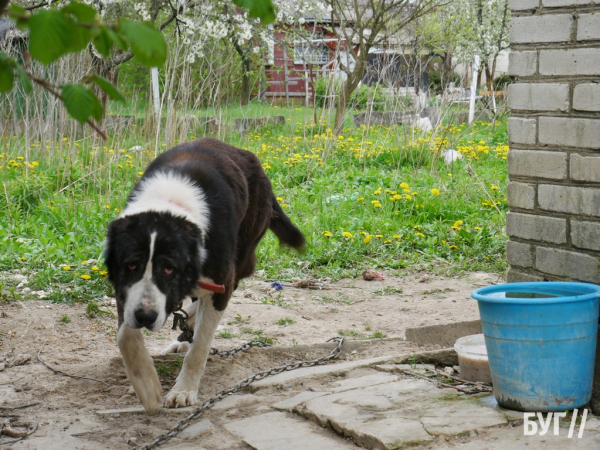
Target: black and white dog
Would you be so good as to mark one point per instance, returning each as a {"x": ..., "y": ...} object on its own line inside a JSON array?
[{"x": 190, "y": 228}]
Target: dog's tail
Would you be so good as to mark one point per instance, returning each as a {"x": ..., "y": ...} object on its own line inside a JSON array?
[{"x": 284, "y": 229}]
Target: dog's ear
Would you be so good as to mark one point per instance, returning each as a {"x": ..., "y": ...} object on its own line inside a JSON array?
[{"x": 111, "y": 247}]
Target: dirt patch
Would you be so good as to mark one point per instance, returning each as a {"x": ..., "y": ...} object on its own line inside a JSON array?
[{"x": 296, "y": 319}]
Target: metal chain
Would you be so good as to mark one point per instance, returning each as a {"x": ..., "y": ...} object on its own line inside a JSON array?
[
  {"x": 220, "y": 395},
  {"x": 240, "y": 348},
  {"x": 180, "y": 317}
]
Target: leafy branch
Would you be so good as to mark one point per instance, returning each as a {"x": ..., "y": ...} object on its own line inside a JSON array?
[
  {"x": 54, "y": 33},
  {"x": 57, "y": 31}
]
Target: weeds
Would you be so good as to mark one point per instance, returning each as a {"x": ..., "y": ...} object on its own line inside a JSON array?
[
  {"x": 388, "y": 290},
  {"x": 372, "y": 197},
  {"x": 169, "y": 369},
  {"x": 226, "y": 334},
  {"x": 239, "y": 320},
  {"x": 93, "y": 310},
  {"x": 285, "y": 321},
  {"x": 248, "y": 330}
]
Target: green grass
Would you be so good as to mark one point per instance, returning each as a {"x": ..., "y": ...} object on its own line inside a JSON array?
[
  {"x": 226, "y": 334},
  {"x": 285, "y": 321},
  {"x": 168, "y": 369},
  {"x": 372, "y": 198}
]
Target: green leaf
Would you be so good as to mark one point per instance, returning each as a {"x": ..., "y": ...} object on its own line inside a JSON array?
[
  {"x": 148, "y": 44},
  {"x": 49, "y": 35},
  {"x": 84, "y": 13},
  {"x": 110, "y": 89},
  {"x": 78, "y": 36},
  {"x": 115, "y": 38},
  {"x": 25, "y": 81},
  {"x": 263, "y": 9},
  {"x": 7, "y": 75},
  {"x": 103, "y": 43},
  {"x": 81, "y": 103},
  {"x": 16, "y": 10}
]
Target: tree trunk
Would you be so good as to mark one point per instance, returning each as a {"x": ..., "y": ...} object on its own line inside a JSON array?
[
  {"x": 446, "y": 69},
  {"x": 245, "y": 91},
  {"x": 349, "y": 87}
]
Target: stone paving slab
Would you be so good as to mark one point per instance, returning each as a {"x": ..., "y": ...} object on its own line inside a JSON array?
[
  {"x": 366, "y": 381},
  {"x": 236, "y": 401},
  {"x": 398, "y": 413},
  {"x": 196, "y": 429},
  {"x": 278, "y": 431},
  {"x": 514, "y": 438},
  {"x": 140, "y": 410},
  {"x": 290, "y": 403},
  {"x": 330, "y": 369}
]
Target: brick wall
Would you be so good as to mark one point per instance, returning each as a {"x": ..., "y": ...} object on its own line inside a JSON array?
[{"x": 554, "y": 134}]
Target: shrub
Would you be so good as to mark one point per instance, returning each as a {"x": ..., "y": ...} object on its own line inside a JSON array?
[
  {"x": 435, "y": 80},
  {"x": 328, "y": 87},
  {"x": 501, "y": 83}
]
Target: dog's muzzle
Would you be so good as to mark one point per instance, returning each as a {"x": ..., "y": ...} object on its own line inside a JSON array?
[{"x": 145, "y": 317}]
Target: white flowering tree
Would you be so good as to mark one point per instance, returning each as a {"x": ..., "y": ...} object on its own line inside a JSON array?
[
  {"x": 362, "y": 25},
  {"x": 56, "y": 28},
  {"x": 441, "y": 32},
  {"x": 485, "y": 32}
]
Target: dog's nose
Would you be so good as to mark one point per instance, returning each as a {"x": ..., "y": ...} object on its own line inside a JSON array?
[{"x": 145, "y": 317}]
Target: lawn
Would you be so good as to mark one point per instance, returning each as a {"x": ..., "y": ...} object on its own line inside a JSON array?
[{"x": 378, "y": 197}]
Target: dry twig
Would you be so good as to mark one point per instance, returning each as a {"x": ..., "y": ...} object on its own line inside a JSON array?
[{"x": 58, "y": 372}]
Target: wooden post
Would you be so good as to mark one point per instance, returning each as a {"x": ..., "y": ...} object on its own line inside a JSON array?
[
  {"x": 285, "y": 76},
  {"x": 473, "y": 89}
]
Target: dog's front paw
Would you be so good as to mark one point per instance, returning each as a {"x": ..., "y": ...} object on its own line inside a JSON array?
[
  {"x": 148, "y": 391},
  {"x": 176, "y": 347},
  {"x": 179, "y": 399}
]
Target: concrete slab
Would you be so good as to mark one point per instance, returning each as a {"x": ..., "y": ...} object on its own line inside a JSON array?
[
  {"x": 140, "y": 409},
  {"x": 360, "y": 382},
  {"x": 421, "y": 369},
  {"x": 315, "y": 371},
  {"x": 444, "y": 335},
  {"x": 196, "y": 429},
  {"x": 235, "y": 401},
  {"x": 404, "y": 412},
  {"x": 514, "y": 438},
  {"x": 278, "y": 430},
  {"x": 290, "y": 403}
]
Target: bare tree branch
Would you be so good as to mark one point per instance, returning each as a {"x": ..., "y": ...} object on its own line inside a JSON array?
[{"x": 52, "y": 89}]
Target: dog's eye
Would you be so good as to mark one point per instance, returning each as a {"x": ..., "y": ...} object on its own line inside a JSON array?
[
  {"x": 131, "y": 267},
  {"x": 168, "y": 270}
]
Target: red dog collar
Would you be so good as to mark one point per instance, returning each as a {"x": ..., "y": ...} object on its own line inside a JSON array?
[{"x": 218, "y": 288}]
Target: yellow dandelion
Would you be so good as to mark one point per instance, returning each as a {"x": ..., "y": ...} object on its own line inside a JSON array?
[
  {"x": 327, "y": 234},
  {"x": 66, "y": 267},
  {"x": 494, "y": 187},
  {"x": 85, "y": 276},
  {"x": 347, "y": 235},
  {"x": 435, "y": 192}
]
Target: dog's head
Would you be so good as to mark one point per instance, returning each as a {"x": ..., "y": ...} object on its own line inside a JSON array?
[{"x": 153, "y": 261}]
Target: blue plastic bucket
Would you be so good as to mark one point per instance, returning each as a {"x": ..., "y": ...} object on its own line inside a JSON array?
[{"x": 541, "y": 343}]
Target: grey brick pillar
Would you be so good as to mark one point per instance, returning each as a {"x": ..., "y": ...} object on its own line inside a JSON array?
[{"x": 554, "y": 134}]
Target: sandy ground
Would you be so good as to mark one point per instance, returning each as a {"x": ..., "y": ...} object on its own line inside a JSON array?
[{"x": 65, "y": 409}]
